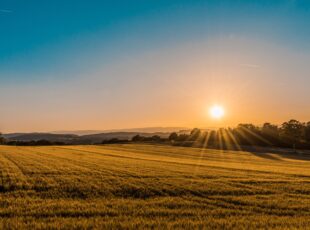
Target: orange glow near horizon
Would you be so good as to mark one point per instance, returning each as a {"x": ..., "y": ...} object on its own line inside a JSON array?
[{"x": 172, "y": 87}]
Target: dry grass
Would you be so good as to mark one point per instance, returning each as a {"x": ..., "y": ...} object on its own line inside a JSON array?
[{"x": 145, "y": 186}]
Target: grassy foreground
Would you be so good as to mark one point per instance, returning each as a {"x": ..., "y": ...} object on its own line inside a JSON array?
[{"x": 145, "y": 186}]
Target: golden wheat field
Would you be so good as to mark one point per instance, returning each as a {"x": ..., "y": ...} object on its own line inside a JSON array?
[{"x": 151, "y": 186}]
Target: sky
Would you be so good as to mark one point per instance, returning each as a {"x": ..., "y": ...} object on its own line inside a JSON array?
[{"x": 81, "y": 65}]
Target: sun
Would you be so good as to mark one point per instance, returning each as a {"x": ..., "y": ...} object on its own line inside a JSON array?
[{"x": 217, "y": 112}]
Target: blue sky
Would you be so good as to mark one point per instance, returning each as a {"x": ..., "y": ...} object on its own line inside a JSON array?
[
  {"x": 73, "y": 43},
  {"x": 39, "y": 36}
]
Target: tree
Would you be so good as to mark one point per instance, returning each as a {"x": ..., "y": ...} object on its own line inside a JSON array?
[
  {"x": 155, "y": 138},
  {"x": 249, "y": 127},
  {"x": 307, "y": 132},
  {"x": 270, "y": 129},
  {"x": 247, "y": 134},
  {"x": 183, "y": 137},
  {"x": 2, "y": 140},
  {"x": 137, "y": 138},
  {"x": 173, "y": 136},
  {"x": 271, "y": 133},
  {"x": 195, "y": 133},
  {"x": 292, "y": 131}
]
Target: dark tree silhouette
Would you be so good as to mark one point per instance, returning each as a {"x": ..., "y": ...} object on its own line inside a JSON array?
[
  {"x": 307, "y": 132},
  {"x": 271, "y": 133},
  {"x": 292, "y": 131},
  {"x": 293, "y": 128},
  {"x": 155, "y": 138},
  {"x": 291, "y": 134},
  {"x": 137, "y": 138},
  {"x": 270, "y": 130},
  {"x": 173, "y": 136},
  {"x": 182, "y": 137},
  {"x": 2, "y": 140},
  {"x": 194, "y": 135}
]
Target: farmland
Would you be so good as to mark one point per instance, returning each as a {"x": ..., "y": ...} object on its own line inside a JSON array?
[{"x": 152, "y": 186}]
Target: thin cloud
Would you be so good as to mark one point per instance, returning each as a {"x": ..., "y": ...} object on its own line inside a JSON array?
[
  {"x": 250, "y": 66},
  {"x": 5, "y": 11}
]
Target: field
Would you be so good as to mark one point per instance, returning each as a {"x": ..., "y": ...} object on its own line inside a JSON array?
[{"x": 150, "y": 186}]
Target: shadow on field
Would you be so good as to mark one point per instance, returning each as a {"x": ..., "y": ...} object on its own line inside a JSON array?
[
  {"x": 278, "y": 154},
  {"x": 266, "y": 155}
]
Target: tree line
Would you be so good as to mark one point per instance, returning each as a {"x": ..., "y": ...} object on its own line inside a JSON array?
[{"x": 291, "y": 134}]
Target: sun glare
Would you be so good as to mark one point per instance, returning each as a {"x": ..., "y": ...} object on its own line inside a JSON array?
[{"x": 217, "y": 112}]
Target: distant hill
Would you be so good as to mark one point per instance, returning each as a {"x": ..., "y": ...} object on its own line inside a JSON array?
[
  {"x": 75, "y": 139},
  {"x": 66, "y": 138},
  {"x": 12, "y": 135},
  {"x": 132, "y": 130}
]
